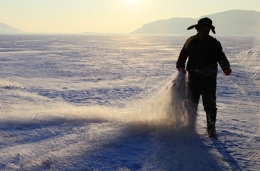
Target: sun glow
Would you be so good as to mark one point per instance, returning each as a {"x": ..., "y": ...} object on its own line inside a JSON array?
[{"x": 131, "y": 1}]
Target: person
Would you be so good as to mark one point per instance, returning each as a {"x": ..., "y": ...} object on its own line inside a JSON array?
[{"x": 204, "y": 53}]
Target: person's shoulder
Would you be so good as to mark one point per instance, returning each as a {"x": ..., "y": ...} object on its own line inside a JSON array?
[
  {"x": 189, "y": 40},
  {"x": 192, "y": 38},
  {"x": 215, "y": 43},
  {"x": 212, "y": 38}
]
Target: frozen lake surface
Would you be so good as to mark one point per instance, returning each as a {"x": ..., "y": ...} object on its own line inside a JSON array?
[{"x": 106, "y": 103}]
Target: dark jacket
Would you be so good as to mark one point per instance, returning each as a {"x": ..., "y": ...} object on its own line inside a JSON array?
[{"x": 203, "y": 56}]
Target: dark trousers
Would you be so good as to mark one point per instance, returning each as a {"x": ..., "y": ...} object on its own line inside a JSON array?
[{"x": 205, "y": 87}]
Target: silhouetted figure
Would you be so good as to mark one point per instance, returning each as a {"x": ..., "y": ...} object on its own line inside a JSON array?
[{"x": 204, "y": 53}]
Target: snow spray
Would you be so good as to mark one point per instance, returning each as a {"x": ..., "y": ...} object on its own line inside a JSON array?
[
  {"x": 181, "y": 112},
  {"x": 169, "y": 108},
  {"x": 250, "y": 60}
]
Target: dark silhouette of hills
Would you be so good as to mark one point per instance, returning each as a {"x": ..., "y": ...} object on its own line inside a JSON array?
[
  {"x": 5, "y": 29},
  {"x": 233, "y": 23}
]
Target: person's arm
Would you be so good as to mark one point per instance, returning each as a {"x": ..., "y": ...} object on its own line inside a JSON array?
[
  {"x": 180, "y": 65},
  {"x": 222, "y": 60}
]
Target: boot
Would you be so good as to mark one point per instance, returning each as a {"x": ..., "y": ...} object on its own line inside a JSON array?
[{"x": 211, "y": 124}]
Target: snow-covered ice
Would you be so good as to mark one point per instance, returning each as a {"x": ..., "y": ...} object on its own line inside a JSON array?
[{"x": 114, "y": 102}]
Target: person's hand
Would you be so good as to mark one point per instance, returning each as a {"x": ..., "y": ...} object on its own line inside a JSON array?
[
  {"x": 227, "y": 71},
  {"x": 182, "y": 70}
]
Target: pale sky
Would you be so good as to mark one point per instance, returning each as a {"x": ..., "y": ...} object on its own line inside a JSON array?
[{"x": 106, "y": 16}]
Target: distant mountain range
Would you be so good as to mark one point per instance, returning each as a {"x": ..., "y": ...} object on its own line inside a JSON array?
[
  {"x": 5, "y": 29},
  {"x": 228, "y": 23},
  {"x": 233, "y": 23}
]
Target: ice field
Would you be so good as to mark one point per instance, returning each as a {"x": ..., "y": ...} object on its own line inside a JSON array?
[{"x": 113, "y": 102}]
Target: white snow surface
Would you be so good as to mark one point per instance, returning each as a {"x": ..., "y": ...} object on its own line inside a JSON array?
[{"x": 116, "y": 102}]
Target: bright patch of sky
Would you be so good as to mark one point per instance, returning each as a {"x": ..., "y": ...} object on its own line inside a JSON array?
[{"x": 107, "y": 16}]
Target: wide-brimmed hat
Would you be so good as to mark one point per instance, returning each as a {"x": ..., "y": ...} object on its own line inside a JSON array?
[{"x": 203, "y": 22}]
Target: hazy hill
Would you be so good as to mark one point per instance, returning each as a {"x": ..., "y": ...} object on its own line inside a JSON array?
[
  {"x": 234, "y": 22},
  {"x": 5, "y": 29}
]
